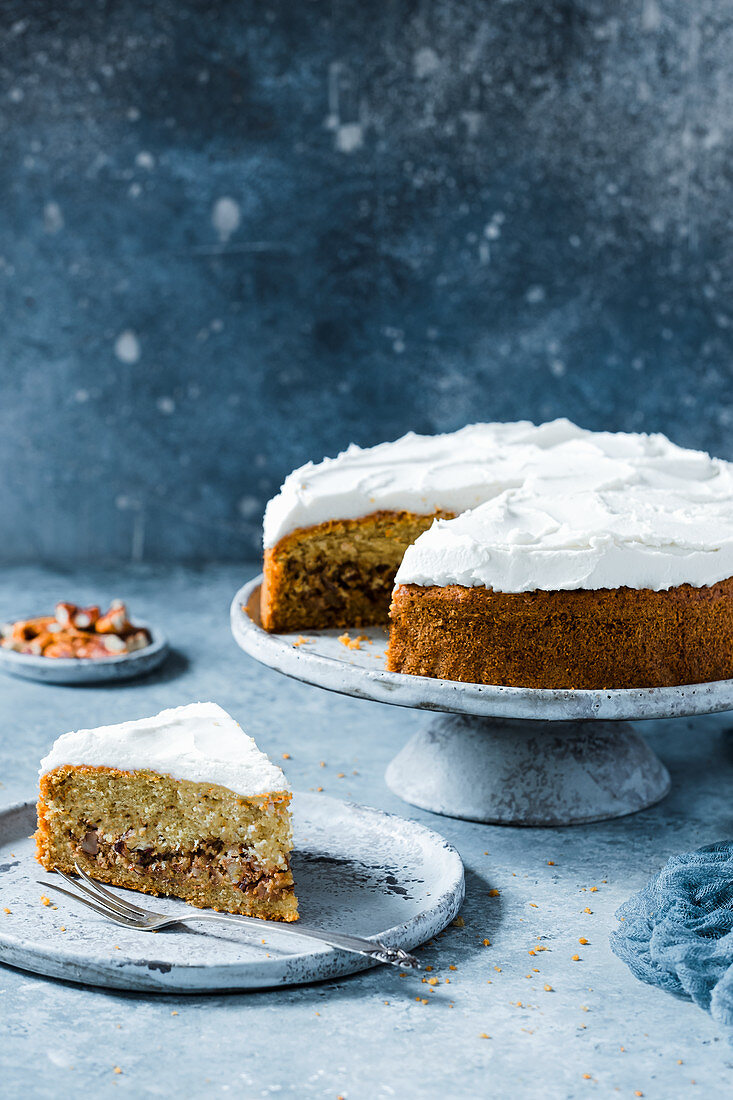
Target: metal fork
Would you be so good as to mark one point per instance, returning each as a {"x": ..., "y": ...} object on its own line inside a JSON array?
[{"x": 145, "y": 920}]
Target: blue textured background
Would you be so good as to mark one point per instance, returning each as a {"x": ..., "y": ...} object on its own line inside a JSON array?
[{"x": 234, "y": 236}]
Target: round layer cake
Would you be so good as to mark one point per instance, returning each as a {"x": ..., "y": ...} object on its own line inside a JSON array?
[{"x": 527, "y": 556}]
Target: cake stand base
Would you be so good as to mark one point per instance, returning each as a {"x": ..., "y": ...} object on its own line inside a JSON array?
[{"x": 518, "y": 772}]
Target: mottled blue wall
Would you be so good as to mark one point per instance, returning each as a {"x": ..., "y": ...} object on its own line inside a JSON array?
[{"x": 234, "y": 236}]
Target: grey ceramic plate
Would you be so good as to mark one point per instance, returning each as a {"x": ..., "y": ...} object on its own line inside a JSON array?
[
  {"x": 323, "y": 660},
  {"x": 357, "y": 870},
  {"x": 68, "y": 670}
]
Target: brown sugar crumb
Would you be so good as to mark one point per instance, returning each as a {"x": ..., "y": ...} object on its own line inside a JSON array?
[{"x": 45, "y": 900}]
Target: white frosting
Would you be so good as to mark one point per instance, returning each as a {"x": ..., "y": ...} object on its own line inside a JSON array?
[
  {"x": 549, "y": 507},
  {"x": 417, "y": 473},
  {"x": 601, "y": 511},
  {"x": 200, "y": 742}
]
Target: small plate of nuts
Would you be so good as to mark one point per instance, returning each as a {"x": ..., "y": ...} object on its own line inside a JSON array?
[{"x": 80, "y": 645}]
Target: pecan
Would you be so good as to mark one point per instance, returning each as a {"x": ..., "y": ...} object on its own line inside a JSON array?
[{"x": 90, "y": 843}]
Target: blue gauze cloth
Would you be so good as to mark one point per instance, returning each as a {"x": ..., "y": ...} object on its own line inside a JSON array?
[{"x": 677, "y": 933}]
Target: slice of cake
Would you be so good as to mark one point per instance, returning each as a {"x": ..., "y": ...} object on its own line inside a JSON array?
[{"x": 183, "y": 804}]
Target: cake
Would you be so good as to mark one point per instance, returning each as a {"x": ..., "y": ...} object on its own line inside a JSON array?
[
  {"x": 583, "y": 560},
  {"x": 180, "y": 804}
]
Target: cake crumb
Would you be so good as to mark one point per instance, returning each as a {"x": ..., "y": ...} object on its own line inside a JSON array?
[
  {"x": 484, "y": 1035},
  {"x": 459, "y": 922},
  {"x": 6, "y": 910},
  {"x": 493, "y": 893},
  {"x": 587, "y": 910},
  {"x": 549, "y": 989},
  {"x": 174, "y": 1013},
  {"x": 286, "y": 756},
  {"x": 551, "y": 863},
  {"x": 583, "y": 941},
  {"x": 452, "y": 967},
  {"x": 487, "y": 943},
  {"x": 45, "y": 900},
  {"x": 300, "y": 640},
  {"x": 352, "y": 643},
  {"x": 117, "y": 1070},
  {"x": 576, "y": 958},
  {"x": 586, "y": 1077}
]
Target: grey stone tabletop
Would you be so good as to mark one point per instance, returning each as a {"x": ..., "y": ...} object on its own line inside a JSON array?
[{"x": 499, "y": 1020}]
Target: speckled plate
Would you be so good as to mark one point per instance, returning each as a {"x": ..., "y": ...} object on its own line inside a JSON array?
[
  {"x": 357, "y": 870},
  {"x": 71, "y": 670},
  {"x": 319, "y": 657}
]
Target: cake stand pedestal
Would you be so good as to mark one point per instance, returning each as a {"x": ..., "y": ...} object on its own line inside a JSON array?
[{"x": 509, "y": 756}]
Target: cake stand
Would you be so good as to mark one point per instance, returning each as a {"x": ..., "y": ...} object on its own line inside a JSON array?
[{"x": 511, "y": 756}]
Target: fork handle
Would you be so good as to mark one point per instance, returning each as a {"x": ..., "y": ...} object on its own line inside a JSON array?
[{"x": 372, "y": 949}]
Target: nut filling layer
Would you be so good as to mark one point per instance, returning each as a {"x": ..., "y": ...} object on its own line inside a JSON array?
[{"x": 208, "y": 861}]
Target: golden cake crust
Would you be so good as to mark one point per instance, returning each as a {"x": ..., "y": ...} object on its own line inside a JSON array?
[{"x": 607, "y": 638}]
